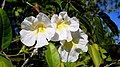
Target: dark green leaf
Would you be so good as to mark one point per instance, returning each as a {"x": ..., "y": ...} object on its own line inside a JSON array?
[
  {"x": 109, "y": 23},
  {"x": 84, "y": 61},
  {"x": 57, "y": 6},
  {"x": 78, "y": 5},
  {"x": 98, "y": 30},
  {"x": 86, "y": 23},
  {"x": 52, "y": 56},
  {"x": 11, "y": 0},
  {"x": 63, "y": 4},
  {"x": 5, "y": 30},
  {"x": 5, "y": 62}
]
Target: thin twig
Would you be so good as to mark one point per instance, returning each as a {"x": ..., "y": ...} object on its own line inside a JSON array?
[
  {"x": 15, "y": 40},
  {"x": 110, "y": 64},
  {"x": 3, "y": 4},
  {"x": 34, "y": 52},
  {"x": 15, "y": 55},
  {"x": 5, "y": 55},
  {"x": 29, "y": 4}
]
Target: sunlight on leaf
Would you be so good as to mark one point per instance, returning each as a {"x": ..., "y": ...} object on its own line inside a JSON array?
[
  {"x": 95, "y": 55},
  {"x": 52, "y": 56},
  {"x": 5, "y": 62}
]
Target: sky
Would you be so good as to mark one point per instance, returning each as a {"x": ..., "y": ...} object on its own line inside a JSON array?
[
  {"x": 114, "y": 14},
  {"x": 114, "y": 17}
]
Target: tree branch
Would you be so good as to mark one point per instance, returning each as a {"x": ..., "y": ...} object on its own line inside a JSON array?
[
  {"x": 34, "y": 52},
  {"x": 3, "y": 4}
]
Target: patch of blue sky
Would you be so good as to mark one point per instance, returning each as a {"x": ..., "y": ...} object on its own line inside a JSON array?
[{"x": 113, "y": 15}]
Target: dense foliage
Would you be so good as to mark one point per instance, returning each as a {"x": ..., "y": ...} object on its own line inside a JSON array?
[{"x": 101, "y": 30}]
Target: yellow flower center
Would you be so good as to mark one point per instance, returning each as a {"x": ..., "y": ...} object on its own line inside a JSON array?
[
  {"x": 40, "y": 28},
  {"x": 61, "y": 25},
  {"x": 73, "y": 43}
]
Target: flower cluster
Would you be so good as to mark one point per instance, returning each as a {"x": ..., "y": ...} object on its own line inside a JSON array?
[{"x": 38, "y": 31}]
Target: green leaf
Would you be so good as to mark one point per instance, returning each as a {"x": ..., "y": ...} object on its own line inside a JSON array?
[
  {"x": 95, "y": 55},
  {"x": 84, "y": 61},
  {"x": 52, "y": 56},
  {"x": 103, "y": 52},
  {"x": 11, "y": 0},
  {"x": 83, "y": 1},
  {"x": 17, "y": 13},
  {"x": 98, "y": 30},
  {"x": 109, "y": 59},
  {"x": 77, "y": 5},
  {"x": 109, "y": 23},
  {"x": 5, "y": 62},
  {"x": 70, "y": 64},
  {"x": 64, "y": 4},
  {"x": 86, "y": 23},
  {"x": 5, "y": 30},
  {"x": 56, "y": 5}
]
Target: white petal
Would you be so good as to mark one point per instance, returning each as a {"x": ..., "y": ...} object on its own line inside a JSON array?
[
  {"x": 41, "y": 17},
  {"x": 28, "y": 37},
  {"x": 66, "y": 56},
  {"x": 49, "y": 33},
  {"x": 83, "y": 45},
  {"x": 54, "y": 25},
  {"x": 41, "y": 40},
  {"x": 54, "y": 18},
  {"x": 69, "y": 36},
  {"x": 79, "y": 37},
  {"x": 84, "y": 36},
  {"x": 62, "y": 34},
  {"x": 83, "y": 40},
  {"x": 64, "y": 15},
  {"x": 84, "y": 48},
  {"x": 55, "y": 37},
  {"x": 73, "y": 55},
  {"x": 74, "y": 26},
  {"x": 63, "y": 54},
  {"x": 27, "y": 23}
]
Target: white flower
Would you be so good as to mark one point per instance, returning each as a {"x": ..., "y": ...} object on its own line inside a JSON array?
[
  {"x": 69, "y": 51},
  {"x": 64, "y": 25},
  {"x": 36, "y": 29}
]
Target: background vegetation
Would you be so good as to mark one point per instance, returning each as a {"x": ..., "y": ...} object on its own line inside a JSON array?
[{"x": 100, "y": 29}]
